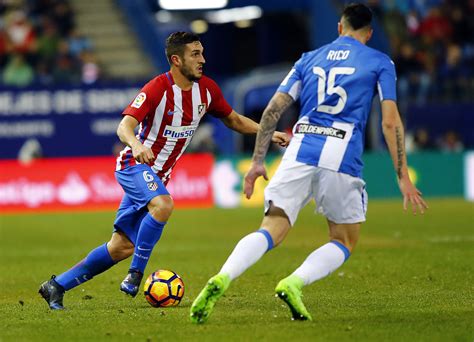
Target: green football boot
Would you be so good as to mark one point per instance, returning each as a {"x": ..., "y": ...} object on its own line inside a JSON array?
[
  {"x": 289, "y": 290},
  {"x": 204, "y": 303}
]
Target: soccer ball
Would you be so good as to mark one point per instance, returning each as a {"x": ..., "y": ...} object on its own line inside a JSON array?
[{"x": 164, "y": 288}]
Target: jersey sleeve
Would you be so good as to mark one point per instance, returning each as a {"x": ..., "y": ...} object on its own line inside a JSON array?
[
  {"x": 291, "y": 85},
  {"x": 143, "y": 102},
  {"x": 218, "y": 106},
  {"x": 387, "y": 80}
]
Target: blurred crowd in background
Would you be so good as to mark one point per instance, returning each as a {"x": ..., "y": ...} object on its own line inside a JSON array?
[
  {"x": 41, "y": 45},
  {"x": 431, "y": 43}
]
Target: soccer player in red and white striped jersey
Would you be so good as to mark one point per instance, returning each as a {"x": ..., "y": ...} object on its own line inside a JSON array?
[
  {"x": 169, "y": 115},
  {"x": 168, "y": 110}
]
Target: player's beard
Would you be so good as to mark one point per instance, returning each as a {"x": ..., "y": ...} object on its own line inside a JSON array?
[{"x": 188, "y": 73}]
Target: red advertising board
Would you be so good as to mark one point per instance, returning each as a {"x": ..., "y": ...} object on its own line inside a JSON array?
[{"x": 89, "y": 184}]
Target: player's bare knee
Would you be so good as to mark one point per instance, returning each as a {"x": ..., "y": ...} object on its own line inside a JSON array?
[
  {"x": 120, "y": 247},
  {"x": 119, "y": 252},
  {"x": 161, "y": 208},
  {"x": 127, "y": 252},
  {"x": 276, "y": 222},
  {"x": 347, "y": 243},
  {"x": 348, "y": 240},
  {"x": 277, "y": 241},
  {"x": 123, "y": 254},
  {"x": 278, "y": 234},
  {"x": 347, "y": 234}
]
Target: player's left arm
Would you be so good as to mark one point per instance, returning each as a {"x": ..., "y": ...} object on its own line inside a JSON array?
[
  {"x": 244, "y": 125},
  {"x": 394, "y": 133},
  {"x": 395, "y": 138}
]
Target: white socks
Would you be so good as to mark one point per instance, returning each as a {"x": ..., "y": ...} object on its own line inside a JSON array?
[
  {"x": 322, "y": 262},
  {"x": 247, "y": 252},
  {"x": 319, "y": 264}
]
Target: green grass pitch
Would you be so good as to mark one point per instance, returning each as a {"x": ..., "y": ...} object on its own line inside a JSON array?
[{"x": 410, "y": 279}]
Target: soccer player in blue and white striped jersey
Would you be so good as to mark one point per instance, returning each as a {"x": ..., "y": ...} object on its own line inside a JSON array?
[{"x": 335, "y": 85}]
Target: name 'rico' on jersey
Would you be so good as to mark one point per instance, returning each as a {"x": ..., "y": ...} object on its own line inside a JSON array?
[{"x": 335, "y": 85}]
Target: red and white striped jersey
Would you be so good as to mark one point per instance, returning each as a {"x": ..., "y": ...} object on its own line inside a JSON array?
[{"x": 169, "y": 117}]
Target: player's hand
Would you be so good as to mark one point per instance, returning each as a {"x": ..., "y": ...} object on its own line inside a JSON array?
[
  {"x": 142, "y": 154},
  {"x": 281, "y": 138},
  {"x": 411, "y": 195},
  {"x": 256, "y": 170}
]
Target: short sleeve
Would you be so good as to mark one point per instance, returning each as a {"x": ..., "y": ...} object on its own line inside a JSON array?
[
  {"x": 387, "y": 80},
  {"x": 291, "y": 85},
  {"x": 218, "y": 106},
  {"x": 143, "y": 102}
]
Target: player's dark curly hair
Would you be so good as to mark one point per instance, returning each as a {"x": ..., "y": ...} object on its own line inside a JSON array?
[
  {"x": 357, "y": 15},
  {"x": 176, "y": 42}
]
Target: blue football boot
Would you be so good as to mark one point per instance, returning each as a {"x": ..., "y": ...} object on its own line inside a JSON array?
[
  {"x": 52, "y": 293},
  {"x": 131, "y": 284}
]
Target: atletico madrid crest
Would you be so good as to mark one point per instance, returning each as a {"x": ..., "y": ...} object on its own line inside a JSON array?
[
  {"x": 201, "y": 109},
  {"x": 152, "y": 186}
]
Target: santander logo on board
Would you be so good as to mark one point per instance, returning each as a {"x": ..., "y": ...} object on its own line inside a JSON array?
[{"x": 73, "y": 190}]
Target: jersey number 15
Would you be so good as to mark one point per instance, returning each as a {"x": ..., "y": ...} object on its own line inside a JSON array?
[{"x": 331, "y": 88}]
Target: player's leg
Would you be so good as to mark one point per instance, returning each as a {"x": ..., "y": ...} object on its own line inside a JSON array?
[
  {"x": 97, "y": 261},
  {"x": 341, "y": 198},
  {"x": 248, "y": 251},
  {"x": 149, "y": 232},
  {"x": 344, "y": 234},
  {"x": 319, "y": 264},
  {"x": 329, "y": 257},
  {"x": 288, "y": 191},
  {"x": 274, "y": 228},
  {"x": 120, "y": 247},
  {"x": 153, "y": 205}
]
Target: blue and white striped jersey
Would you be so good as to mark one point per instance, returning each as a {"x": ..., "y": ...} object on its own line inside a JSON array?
[{"x": 336, "y": 85}]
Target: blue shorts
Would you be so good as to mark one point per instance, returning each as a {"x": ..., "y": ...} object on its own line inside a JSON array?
[{"x": 141, "y": 185}]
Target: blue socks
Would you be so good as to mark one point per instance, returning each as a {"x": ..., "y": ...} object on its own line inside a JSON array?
[
  {"x": 148, "y": 235},
  {"x": 96, "y": 262},
  {"x": 99, "y": 259}
]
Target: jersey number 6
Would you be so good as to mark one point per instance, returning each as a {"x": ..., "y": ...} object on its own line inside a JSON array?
[
  {"x": 331, "y": 88},
  {"x": 147, "y": 177}
]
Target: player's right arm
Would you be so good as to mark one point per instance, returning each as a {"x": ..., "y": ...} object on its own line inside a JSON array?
[
  {"x": 287, "y": 93},
  {"x": 395, "y": 137},
  {"x": 126, "y": 134},
  {"x": 272, "y": 113},
  {"x": 143, "y": 104}
]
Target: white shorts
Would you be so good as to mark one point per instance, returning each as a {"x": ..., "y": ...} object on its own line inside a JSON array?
[{"x": 341, "y": 198}]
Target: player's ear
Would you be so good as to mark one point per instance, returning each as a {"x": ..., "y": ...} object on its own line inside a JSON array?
[
  {"x": 175, "y": 60},
  {"x": 339, "y": 28},
  {"x": 369, "y": 34}
]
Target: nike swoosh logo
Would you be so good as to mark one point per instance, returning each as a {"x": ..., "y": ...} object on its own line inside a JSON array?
[
  {"x": 170, "y": 112},
  {"x": 143, "y": 249}
]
